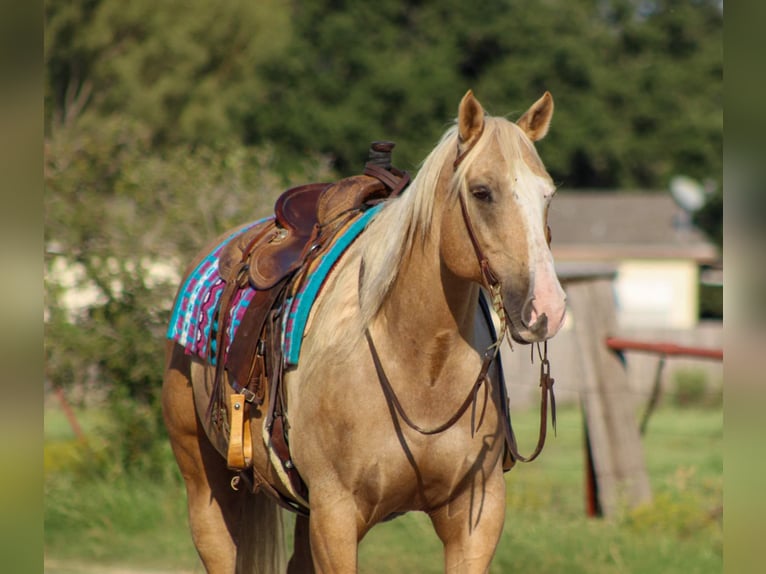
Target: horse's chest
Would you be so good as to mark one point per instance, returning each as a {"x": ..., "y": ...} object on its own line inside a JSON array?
[{"x": 415, "y": 472}]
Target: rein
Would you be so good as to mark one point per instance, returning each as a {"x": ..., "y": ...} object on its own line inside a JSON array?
[
  {"x": 390, "y": 394},
  {"x": 494, "y": 286}
]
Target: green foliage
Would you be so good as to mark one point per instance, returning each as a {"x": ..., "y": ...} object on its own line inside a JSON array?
[
  {"x": 692, "y": 389},
  {"x": 127, "y": 519},
  {"x": 711, "y": 301},
  {"x": 185, "y": 69},
  {"x": 123, "y": 438},
  {"x": 710, "y": 218},
  {"x": 65, "y": 456},
  {"x": 638, "y": 85},
  {"x": 678, "y": 512},
  {"x": 687, "y": 505},
  {"x": 639, "y": 92}
]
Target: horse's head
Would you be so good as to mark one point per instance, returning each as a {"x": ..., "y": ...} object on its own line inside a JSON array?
[{"x": 500, "y": 214}]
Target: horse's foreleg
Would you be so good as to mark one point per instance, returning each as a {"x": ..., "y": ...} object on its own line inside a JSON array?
[
  {"x": 334, "y": 533},
  {"x": 471, "y": 524},
  {"x": 214, "y": 508}
]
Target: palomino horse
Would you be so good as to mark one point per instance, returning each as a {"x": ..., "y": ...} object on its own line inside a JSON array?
[{"x": 405, "y": 293}]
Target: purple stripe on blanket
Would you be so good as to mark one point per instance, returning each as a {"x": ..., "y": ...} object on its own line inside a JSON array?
[{"x": 194, "y": 318}]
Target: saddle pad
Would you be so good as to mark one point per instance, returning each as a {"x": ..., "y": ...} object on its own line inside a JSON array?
[
  {"x": 300, "y": 305},
  {"x": 193, "y": 320}
]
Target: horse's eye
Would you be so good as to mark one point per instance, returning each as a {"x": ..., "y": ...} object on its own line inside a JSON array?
[{"x": 482, "y": 193}]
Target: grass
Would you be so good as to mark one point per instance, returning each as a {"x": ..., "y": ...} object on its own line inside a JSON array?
[
  {"x": 57, "y": 428},
  {"x": 124, "y": 521},
  {"x": 129, "y": 520},
  {"x": 546, "y": 528}
]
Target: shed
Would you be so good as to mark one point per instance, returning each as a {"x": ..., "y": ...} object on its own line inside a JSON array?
[{"x": 651, "y": 243}]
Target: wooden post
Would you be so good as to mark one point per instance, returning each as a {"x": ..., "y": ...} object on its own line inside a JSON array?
[{"x": 619, "y": 477}]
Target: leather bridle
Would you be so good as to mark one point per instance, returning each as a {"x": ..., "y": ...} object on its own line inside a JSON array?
[{"x": 494, "y": 286}]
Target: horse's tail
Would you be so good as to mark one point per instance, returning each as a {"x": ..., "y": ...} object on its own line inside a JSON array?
[{"x": 261, "y": 547}]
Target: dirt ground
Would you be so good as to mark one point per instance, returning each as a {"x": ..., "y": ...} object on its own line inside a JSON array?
[{"x": 64, "y": 567}]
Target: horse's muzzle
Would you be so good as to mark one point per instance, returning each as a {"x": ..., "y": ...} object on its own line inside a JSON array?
[{"x": 534, "y": 326}]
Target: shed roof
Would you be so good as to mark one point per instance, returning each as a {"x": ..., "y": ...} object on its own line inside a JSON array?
[{"x": 608, "y": 226}]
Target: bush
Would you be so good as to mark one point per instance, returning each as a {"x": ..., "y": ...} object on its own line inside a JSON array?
[
  {"x": 711, "y": 302},
  {"x": 691, "y": 389},
  {"x": 682, "y": 508}
]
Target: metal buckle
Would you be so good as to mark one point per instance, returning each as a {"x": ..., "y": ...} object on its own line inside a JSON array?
[{"x": 249, "y": 395}]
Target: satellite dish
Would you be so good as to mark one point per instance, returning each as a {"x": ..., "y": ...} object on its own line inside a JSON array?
[{"x": 687, "y": 193}]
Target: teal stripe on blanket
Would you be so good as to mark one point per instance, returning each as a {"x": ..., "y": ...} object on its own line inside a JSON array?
[{"x": 304, "y": 300}]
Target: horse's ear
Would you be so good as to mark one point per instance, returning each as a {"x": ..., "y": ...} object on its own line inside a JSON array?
[
  {"x": 470, "y": 121},
  {"x": 537, "y": 119}
]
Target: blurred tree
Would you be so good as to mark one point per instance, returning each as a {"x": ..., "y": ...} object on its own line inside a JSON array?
[
  {"x": 668, "y": 90},
  {"x": 187, "y": 70},
  {"x": 710, "y": 217},
  {"x": 638, "y": 84}
]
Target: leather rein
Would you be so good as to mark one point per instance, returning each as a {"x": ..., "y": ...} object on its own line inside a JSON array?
[{"x": 493, "y": 285}]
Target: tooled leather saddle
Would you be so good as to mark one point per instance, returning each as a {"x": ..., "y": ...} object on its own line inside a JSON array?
[{"x": 274, "y": 258}]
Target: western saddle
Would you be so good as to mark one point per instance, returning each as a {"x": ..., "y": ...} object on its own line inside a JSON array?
[{"x": 274, "y": 258}]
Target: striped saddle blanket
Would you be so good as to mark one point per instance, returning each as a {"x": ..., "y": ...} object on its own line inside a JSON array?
[{"x": 194, "y": 319}]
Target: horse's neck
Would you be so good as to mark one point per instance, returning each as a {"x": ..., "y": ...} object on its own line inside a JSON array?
[
  {"x": 429, "y": 313},
  {"x": 426, "y": 299}
]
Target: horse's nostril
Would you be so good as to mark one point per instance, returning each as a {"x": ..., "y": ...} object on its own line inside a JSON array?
[
  {"x": 529, "y": 313},
  {"x": 537, "y": 323},
  {"x": 540, "y": 326}
]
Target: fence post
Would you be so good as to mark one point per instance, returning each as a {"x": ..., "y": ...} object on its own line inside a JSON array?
[{"x": 616, "y": 468}]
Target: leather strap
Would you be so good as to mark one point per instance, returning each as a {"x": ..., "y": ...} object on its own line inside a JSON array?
[
  {"x": 239, "y": 454},
  {"x": 546, "y": 392},
  {"x": 390, "y": 394},
  {"x": 218, "y": 393},
  {"x": 505, "y": 407},
  {"x": 275, "y": 421},
  {"x": 242, "y": 362},
  {"x": 386, "y": 177},
  {"x": 258, "y": 482},
  {"x": 404, "y": 181},
  {"x": 392, "y": 178},
  {"x": 546, "y": 388},
  {"x": 486, "y": 269},
  {"x": 279, "y": 442}
]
